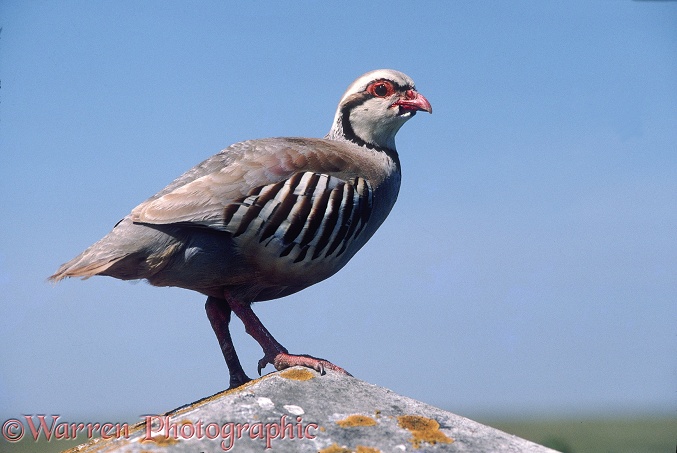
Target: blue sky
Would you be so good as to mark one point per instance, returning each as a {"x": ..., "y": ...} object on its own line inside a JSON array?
[{"x": 529, "y": 266}]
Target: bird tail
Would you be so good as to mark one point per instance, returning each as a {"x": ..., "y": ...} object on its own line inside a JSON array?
[
  {"x": 106, "y": 256},
  {"x": 129, "y": 252},
  {"x": 84, "y": 266}
]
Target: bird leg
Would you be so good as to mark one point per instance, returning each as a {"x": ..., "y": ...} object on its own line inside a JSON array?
[
  {"x": 273, "y": 352},
  {"x": 218, "y": 312}
]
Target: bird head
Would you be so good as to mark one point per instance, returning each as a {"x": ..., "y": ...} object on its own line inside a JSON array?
[{"x": 375, "y": 106}]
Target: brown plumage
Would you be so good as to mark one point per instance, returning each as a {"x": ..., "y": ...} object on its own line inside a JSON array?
[{"x": 266, "y": 218}]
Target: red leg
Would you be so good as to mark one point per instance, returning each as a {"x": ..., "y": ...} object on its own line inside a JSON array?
[
  {"x": 273, "y": 352},
  {"x": 218, "y": 312}
]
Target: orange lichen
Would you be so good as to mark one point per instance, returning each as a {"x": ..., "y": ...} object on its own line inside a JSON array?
[
  {"x": 363, "y": 449},
  {"x": 423, "y": 430},
  {"x": 162, "y": 441},
  {"x": 298, "y": 374},
  {"x": 356, "y": 420}
]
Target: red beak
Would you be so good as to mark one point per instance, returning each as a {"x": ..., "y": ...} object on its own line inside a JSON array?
[{"x": 414, "y": 101}]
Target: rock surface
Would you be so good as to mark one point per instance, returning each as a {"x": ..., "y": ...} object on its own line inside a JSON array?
[{"x": 297, "y": 410}]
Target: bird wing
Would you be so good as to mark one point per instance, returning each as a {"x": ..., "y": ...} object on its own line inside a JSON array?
[{"x": 301, "y": 189}]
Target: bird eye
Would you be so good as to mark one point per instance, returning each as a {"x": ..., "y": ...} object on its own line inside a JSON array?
[{"x": 381, "y": 89}]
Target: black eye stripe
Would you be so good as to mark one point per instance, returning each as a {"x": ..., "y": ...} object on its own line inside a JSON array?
[{"x": 354, "y": 101}]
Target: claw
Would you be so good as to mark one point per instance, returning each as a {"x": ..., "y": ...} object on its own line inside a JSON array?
[
  {"x": 273, "y": 352},
  {"x": 262, "y": 364}
]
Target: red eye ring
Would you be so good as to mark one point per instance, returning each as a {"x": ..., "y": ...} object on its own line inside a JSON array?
[{"x": 381, "y": 88}]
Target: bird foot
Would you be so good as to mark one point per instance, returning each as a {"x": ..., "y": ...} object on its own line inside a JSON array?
[
  {"x": 284, "y": 360},
  {"x": 238, "y": 379}
]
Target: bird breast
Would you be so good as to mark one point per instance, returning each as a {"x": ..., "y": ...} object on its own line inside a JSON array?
[
  {"x": 295, "y": 211},
  {"x": 304, "y": 229}
]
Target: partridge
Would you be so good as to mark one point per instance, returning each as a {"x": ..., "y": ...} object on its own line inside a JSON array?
[{"x": 266, "y": 218}]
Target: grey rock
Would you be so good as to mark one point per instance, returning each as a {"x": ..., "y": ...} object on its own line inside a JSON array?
[{"x": 297, "y": 410}]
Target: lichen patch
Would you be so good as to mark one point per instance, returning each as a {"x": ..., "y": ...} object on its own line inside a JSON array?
[
  {"x": 356, "y": 420},
  {"x": 335, "y": 448},
  {"x": 423, "y": 430},
  {"x": 162, "y": 441},
  {"x": 298, "y": 374},
  {"x": 363, "y": 449}
]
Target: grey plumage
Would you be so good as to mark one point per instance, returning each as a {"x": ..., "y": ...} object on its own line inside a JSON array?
[
  {"x": 266, "y": 218},
  {"x": 219, "y": 225}
]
